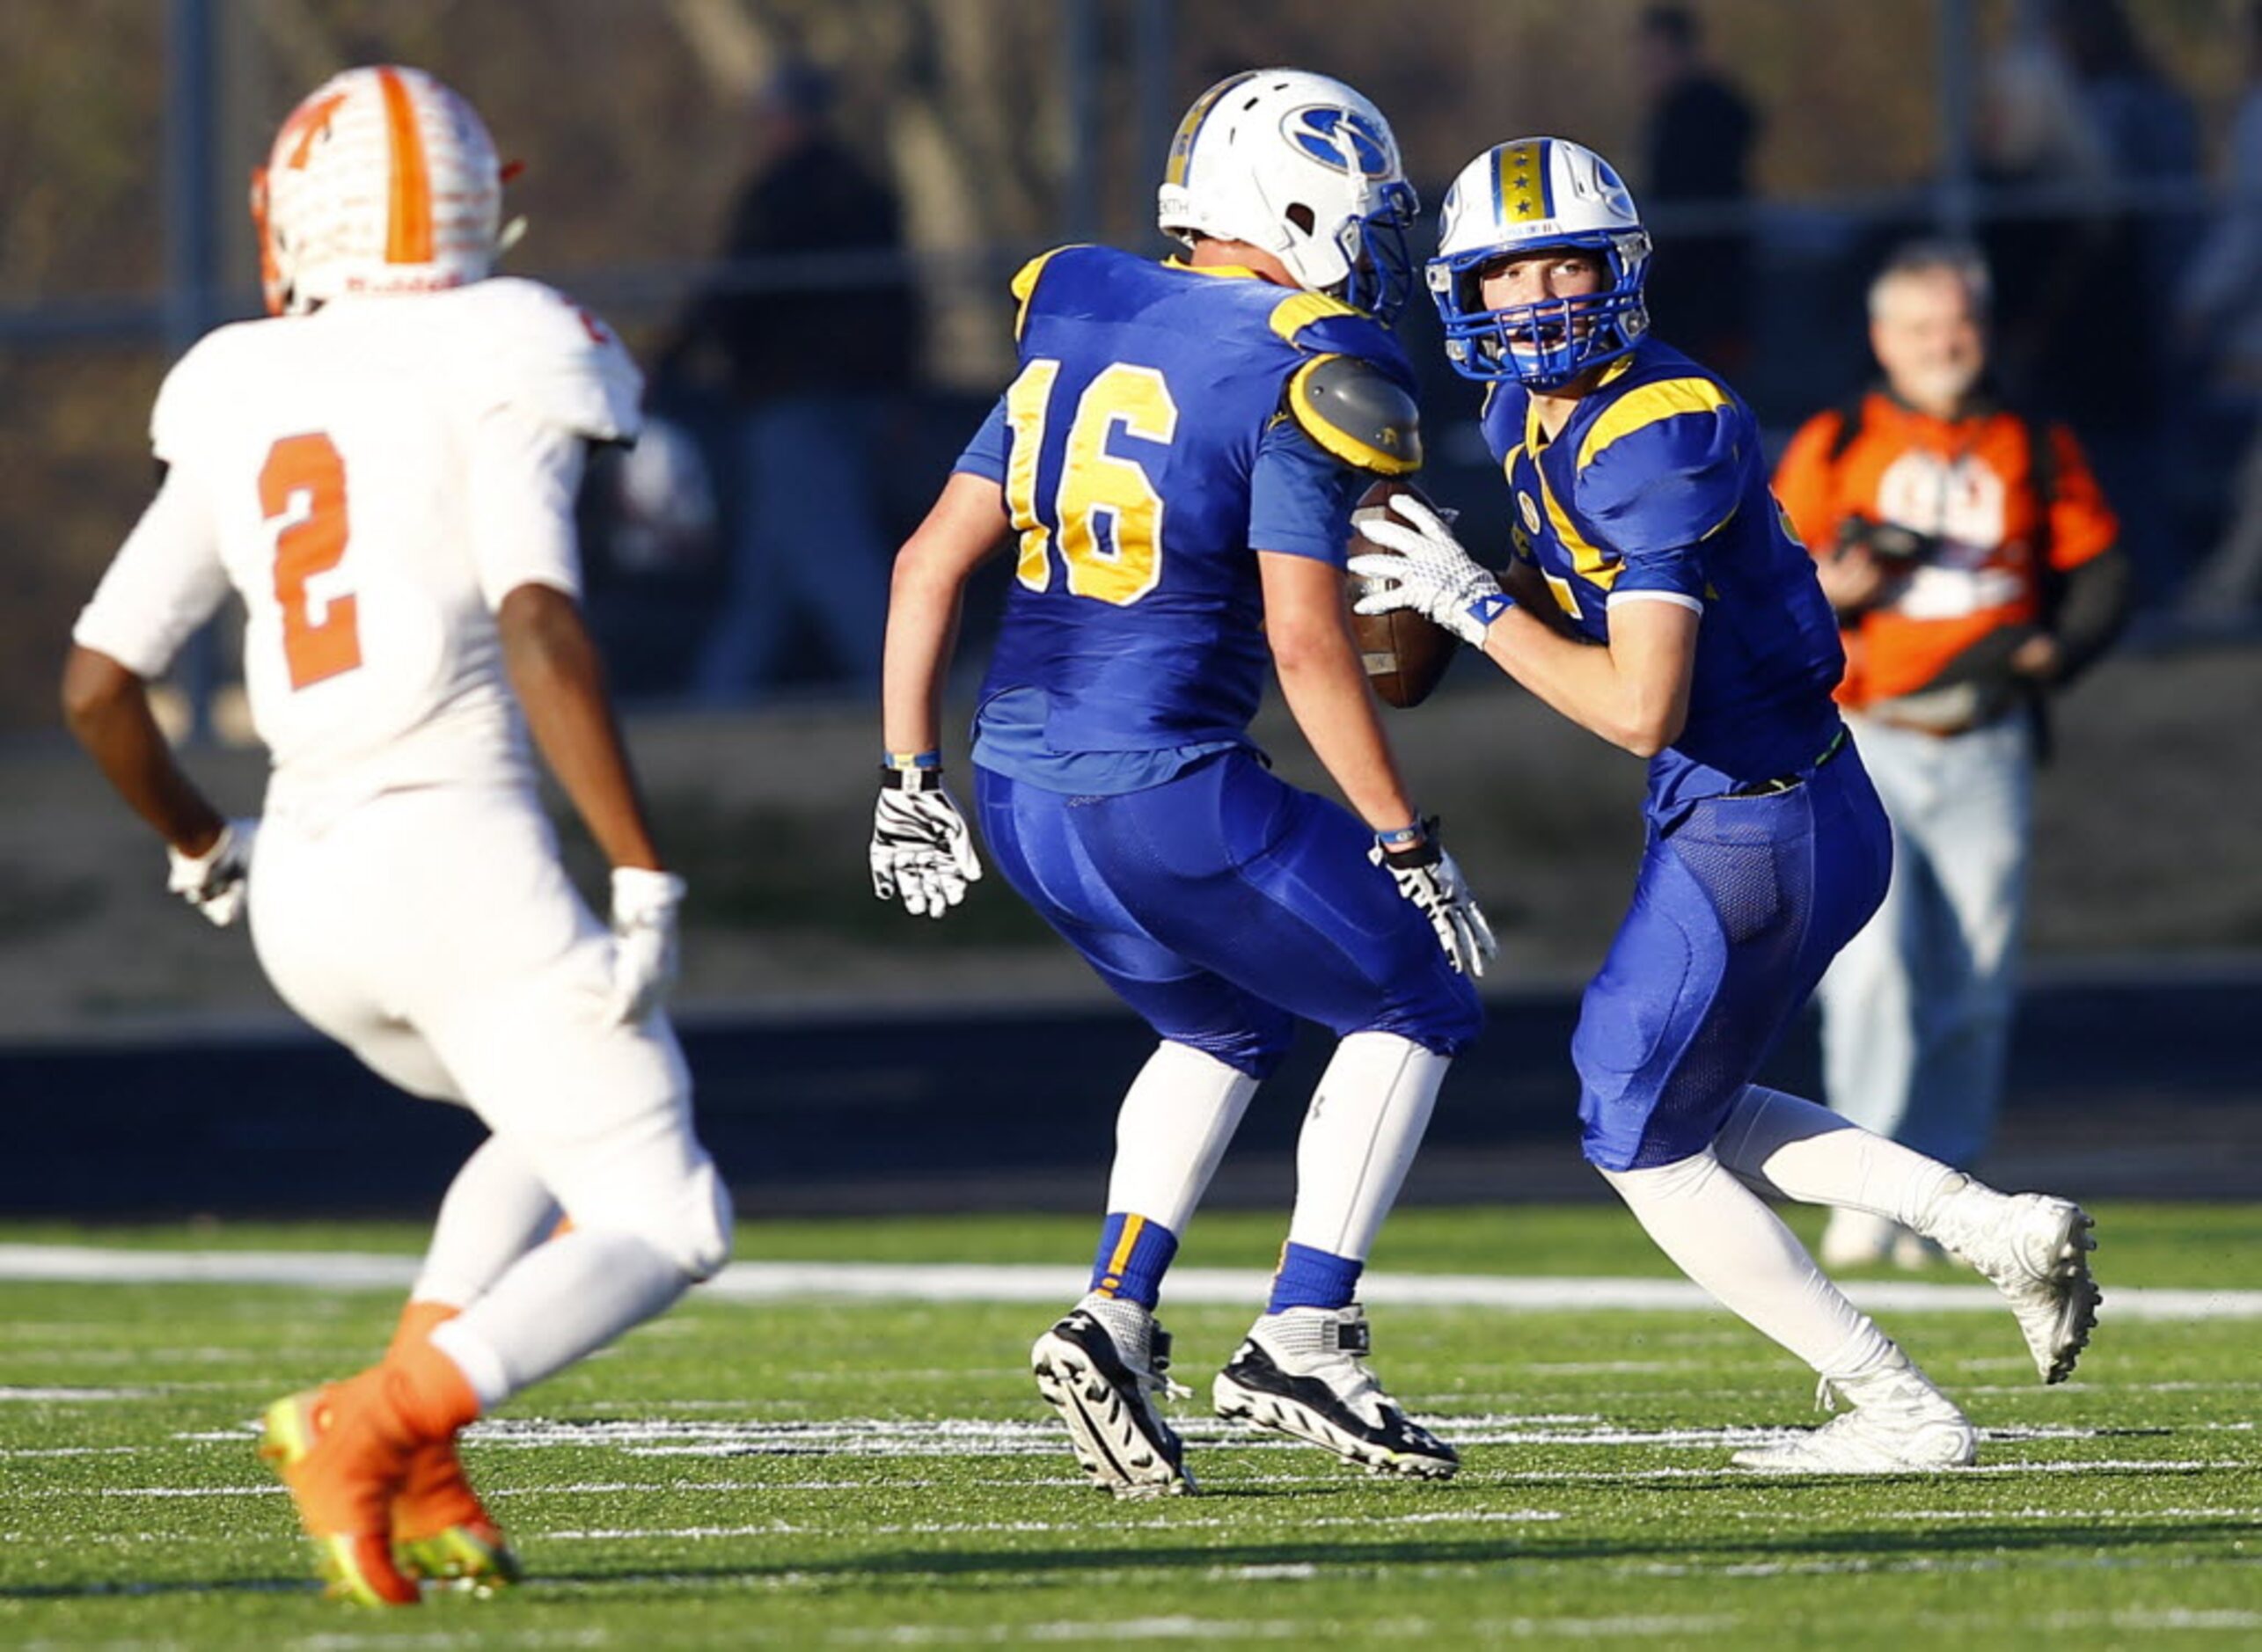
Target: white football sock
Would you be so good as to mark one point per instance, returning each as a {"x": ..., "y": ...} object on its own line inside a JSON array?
[
  {"x": 1817, "y": 1157},
  {"x": 1172, "y": 1131},
  {"x": 562, "y": 1301},
  {"x": 1723, "y": 1236},
  {"x": 1360, "y": 1138},
  {"x": 496, "y": 1211}
]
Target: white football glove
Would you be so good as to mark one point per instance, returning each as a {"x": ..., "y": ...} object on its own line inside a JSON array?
[
  {"x": 1426, "y": 570},
  {"x": 1428, "y": 877},
  {"x": 921, "y": 851},
  {"x": 215, "y": 881},
  {"x": 644, "y": 952}
]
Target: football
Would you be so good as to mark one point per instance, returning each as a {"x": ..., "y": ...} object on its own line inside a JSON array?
[{"x": 1405, "y": 654}]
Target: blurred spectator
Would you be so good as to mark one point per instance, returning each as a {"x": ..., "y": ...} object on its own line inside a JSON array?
[
  {"x": 2076, "y": 121},
  {"x": 1696, "y": 145},
  {"x": 808, "y": 368},
  {"x": 1972, "y": 563},
  {"x": 651, "y": 531},
  {"x": 2219, "y": 322}
]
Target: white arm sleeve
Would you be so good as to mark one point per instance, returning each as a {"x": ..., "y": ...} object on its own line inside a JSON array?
[
  {"x": 166, "y": 581},
  {"x": 524, "y": 475}
]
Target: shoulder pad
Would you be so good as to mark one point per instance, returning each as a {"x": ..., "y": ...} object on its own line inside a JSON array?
[
  {"x": 1025, "y": 280},
  {"x": 545, "y": 356},
  {"x": 183, "y": 407},
  {"x": 1357, "y": 412},
  {"x": 1650, "y": 405}
]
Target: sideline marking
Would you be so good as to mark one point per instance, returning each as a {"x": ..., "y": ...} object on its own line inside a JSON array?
[{"x": 897, "y": 1282}]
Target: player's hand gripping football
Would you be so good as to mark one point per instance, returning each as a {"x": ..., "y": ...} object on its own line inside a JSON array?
[
  {"x": 1425, "y": 569},
  {"x": 644, "y": 952},
  {"x": 1431, "y": 879},
  {"x": 216, "y": 882},
  {"x": 921, "y": 851}
]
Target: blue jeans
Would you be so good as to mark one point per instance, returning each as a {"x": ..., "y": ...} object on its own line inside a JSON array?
[{"x": 1916, "y": 1012}]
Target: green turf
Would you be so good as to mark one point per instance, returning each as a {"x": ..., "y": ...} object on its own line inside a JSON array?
[{"x": 791, "y": 1475}]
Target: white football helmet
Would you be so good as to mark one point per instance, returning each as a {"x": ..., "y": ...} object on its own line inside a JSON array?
[
  {"x": 1305, "y": 167},
  {"x": 1524, "y": 197},
  {"x": 382, "y": 181}
]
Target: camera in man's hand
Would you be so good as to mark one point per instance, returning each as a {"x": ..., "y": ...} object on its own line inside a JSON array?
[{"x": 1888, "y": 542}]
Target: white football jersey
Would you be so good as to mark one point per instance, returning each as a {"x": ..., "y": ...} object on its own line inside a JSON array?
[{"x": 373, "y": 478}]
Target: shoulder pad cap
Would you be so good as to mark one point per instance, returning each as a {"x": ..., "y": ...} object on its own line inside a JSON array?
[
  {"x": 1355, "y": 410},
  {"x": 545, "y": 356}
]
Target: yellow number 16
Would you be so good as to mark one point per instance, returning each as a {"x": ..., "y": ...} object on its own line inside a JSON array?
[{"x": 1123, "y": 564}]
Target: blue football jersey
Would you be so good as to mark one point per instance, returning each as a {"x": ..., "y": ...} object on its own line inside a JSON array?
[
  {"x": 1145, "y": 459},
  {"x": 1657, "y": 485}
]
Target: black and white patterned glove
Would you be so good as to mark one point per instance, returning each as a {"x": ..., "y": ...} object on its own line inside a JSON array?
[
  {"x": 216, "y": 882},
  {"x": 644, "y": 954},
  {"x": 1426, "y": 570},
  {"x": 1428, "y": 876},
  {"x": 921, "y": 851}
]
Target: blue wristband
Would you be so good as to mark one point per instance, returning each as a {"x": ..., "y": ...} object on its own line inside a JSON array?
[{"x": 900, "y": 760}]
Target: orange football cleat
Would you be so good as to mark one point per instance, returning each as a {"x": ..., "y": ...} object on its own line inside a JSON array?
[
  {"x": 344, "y": 1451},
  {"x": 342, "y": 1470},
  {"x": 441, "y": 1530}
]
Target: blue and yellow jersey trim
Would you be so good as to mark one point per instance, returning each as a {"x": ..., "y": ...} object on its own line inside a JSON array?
[
  {"x": 1639, "y": 408},
  {"x": 1025, "y": 280},
  {"x": 1298, "y": 310}
]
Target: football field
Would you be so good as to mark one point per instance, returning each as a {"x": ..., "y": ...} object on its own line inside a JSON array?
[{"x": 838, "y": 1446}]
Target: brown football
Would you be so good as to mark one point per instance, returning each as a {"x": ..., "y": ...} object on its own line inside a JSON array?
[{"x": 1405, "y": 654}]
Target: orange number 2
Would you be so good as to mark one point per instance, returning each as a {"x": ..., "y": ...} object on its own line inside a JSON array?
[{"x": 304, "y": 482}]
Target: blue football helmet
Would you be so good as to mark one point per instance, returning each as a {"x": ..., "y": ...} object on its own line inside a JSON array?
[{"x": 1533, "y": 195}]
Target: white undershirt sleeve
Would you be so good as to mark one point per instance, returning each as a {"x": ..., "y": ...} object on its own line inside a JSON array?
[
  {"x": 524, "y": 476},
  {"x": 166, "y": 581}
]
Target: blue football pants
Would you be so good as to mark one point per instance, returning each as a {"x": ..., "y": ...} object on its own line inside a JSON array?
[
  {"x": 1741, "y": 903},
  {"x": 1224, "y": 904}
]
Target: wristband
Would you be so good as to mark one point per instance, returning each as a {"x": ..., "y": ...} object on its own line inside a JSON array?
[
  {"x": 1404, "y": 838},
  {"x": 1489, "y": 607},
  {"x": 911, "y": 760},
  {"x": 921, "y": 779}
]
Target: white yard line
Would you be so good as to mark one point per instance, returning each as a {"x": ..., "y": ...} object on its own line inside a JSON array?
[{"x": 764, "y": 1281}]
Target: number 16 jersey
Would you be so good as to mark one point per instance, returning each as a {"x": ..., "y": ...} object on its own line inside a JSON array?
[
  {"x": 1151, "y": 444},
  {"x": 373, "y": 480}
]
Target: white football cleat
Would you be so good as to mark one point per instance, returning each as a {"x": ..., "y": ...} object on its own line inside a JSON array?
[
  {"x": 1102, "y": 1368},
  {"x": 1900, "y": 1424},
  {"x": 1303, "y": 1372},
  {"x": 2035, "y": 1249}
]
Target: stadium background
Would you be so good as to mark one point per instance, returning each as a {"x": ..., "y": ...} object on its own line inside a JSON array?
[{"x": 845, "y": 1055}]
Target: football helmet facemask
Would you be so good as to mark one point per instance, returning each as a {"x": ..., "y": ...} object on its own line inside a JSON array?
[
  {"x": 1304, "y": 167},
  {"x": 382, "y": 181},
  {"x": 1535, "y": 195}
]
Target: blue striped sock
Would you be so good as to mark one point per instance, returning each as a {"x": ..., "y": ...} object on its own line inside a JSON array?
[
  {"x": 1312, "y": 1278},
  {"x": 1132, "y": 1256}
]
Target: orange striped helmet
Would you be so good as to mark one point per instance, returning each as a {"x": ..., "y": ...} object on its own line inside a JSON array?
[{"x": 382, "y": 181}]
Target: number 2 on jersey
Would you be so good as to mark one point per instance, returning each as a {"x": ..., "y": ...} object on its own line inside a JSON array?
[
  {"x": 303, "y": 483},
  {"x": 1121, "y": 563}
]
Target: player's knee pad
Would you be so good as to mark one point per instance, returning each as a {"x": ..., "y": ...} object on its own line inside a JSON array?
[
  {"x": 696, "y": 1236},
  {"x": 682, "y": 1211},
  {"x": 1660, "y": 1184}
]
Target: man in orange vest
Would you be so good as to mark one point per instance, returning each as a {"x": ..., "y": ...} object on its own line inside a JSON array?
[{"x": 1975, "y": 570}]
